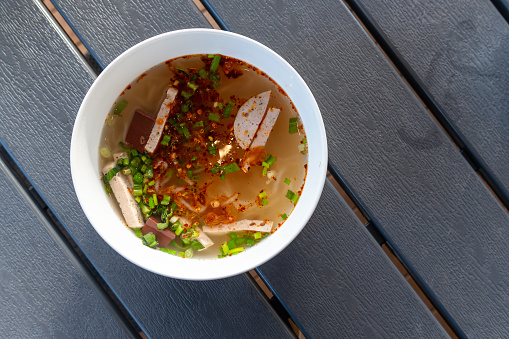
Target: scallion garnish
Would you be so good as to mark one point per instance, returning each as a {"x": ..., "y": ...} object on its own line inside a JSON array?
[
  {"x": 137, "y": 190},
  {"x": 166, "y": 200},
  {"x": 293, "y": 128},
  {"x": 166, "y": 250},
  {"x": 184, "y": 108},
  {"x": 231, "y": 168},
  {"x": 214, "y": 117},
  {"x": 226, "y": 112},
  {"x": 192, "y": 86},
  {"x": 154, "y": 198},
  {"x": 257, "y": 235},
  {"x": 166, "y": 140},
  {"x": 181, "y": 255},
  {"x": 105, "y": 152},
  {"x": 294, "y": 197},
  {"x": 120, "y": 107},
  {"x": 270, "y": 160},
  {"x": 203, "y": 73},
  {"x": 149, "y": 173},
  {"x": 215, "y": 63},
  {"x": 137, "y": 232},
  {"x": 264, "y": 202},
  {"x": 284, "y": 216},
  {"x": 287, "y": 181},
  {"x": 189, "y": 253},
  {"x": 187, "y": 94},
  {"x": 198, "y": 124},
  {"x": 212, "y": 149},
  {"x": 262, "y": 194},
  {"x": 149, "y": 240},
  {"x": 138, "y": 178},
  {"x": 111, "y": 173}
]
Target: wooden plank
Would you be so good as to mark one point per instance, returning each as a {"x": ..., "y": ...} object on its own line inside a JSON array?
[
  {"x": 335, "y": 280},
  {"x": 119, "y": 25},
  {"x": 42, "y": 294},
  {"x": 424, "y": 197},
  {"x": 458, "y": 51},
  {"x": 43, "y": 83}
]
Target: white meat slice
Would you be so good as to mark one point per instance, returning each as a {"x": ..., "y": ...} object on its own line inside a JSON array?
[
  {"x": 130, "y": 210},
  {"x": 242, "y": 225},
  {"x": 162, "y": 116},
  {"x": 203, "y": 238},
  {"x": 263, "y": 134},
  {"x": 249, "y": 117}
]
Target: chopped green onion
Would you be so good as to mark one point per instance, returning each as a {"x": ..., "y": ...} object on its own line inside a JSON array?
[
  {"x": 184, "y": 108},
  {"x": 293, "y": 128},
  {"x": 111, "y": 173},
  {"x": 225, "y": 249},
  {"x": 203, "y": 73},
  {"x": 107, "y": 188},
  {"x": 214, "y": 117},
  {"x": 284, "y": 216},
  {"x": 162, "y": 225},
  {"x": 105, "y": 152},
  {"x": 149, "y": 240},
  {"x": 138, "y": 178},
  {"x": 215, "y": 63},
  {"x": 264, "y": 164},
  {"x": 289, "y": 194},
  {"x": 192, "y": 86},
  {"x": 137, "y": 190},
  {"x": 165, "y": 201},
  {"x": 186, "y": 94},
  {"x": 166, "y": 140},
  {"x": 264, "y": 171},
  {"x": 182, "y": 255},
  {"x": 231, "y": 243},
  {"x": 226, "y": 112},
  {"x": 137, "y": 232},
  {"x": 231, "y": 168},
  {"x": 232, "y": 235},
  {"x": 182, "y": 69},
  {"x": 151, "y": 203},
  {"x": 154, "y": 198},
  {"x": 223, "y": 176},
  {"x": 149, "y": 173},
  {"x": 304, "y": 140},
  {"x": 126, "y": 170},
  {"x": 198, "y": 124},
  {"x": 240, "y": 241},
  {"x": 194, "y": 158},
  {"x": 236, "y": 250},
  {"x": 270, "y": 160},
  {"x": 120, "y": 107},
  {"x": 151, "y": 183},
  {"x": 189, "y": 253},
  {"x": 264, "y": 202},
  {"x": 295, "y": 198},
  {"x": 144, "y": 209},
  {"x": 167, "y": 250},
  {"x": 257, "y": 235},
  {"x": 169, "y": 173},
  {"x": 220, "y": 105},
  {"x": 263, "y": 194},
  {"x": 287, "y": 181},
  {"x": 143, "y": 168},
  {"x": 134, "y": 152},
  {"x": 179, "y": 229},
  {"x": 250, "y": 241},
  {"x": 212, "y": 149}
]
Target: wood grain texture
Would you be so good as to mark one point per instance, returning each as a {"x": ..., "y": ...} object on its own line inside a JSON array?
[
  {"x": 427, "y": 201},
  {"x": 118, "y": 25},
  {"x": 42, "y": 295},
  {"x": 337, "y": 283},
  {"x": 43, "y": 83},
  {"x": 458, "y": 49}
]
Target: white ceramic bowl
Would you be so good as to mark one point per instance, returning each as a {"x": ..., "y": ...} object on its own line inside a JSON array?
[{"x": 100, "y": 98}]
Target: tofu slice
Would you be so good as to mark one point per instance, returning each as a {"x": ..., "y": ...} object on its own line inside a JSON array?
[
  {"x": 262, "y": 135},
  {"x": 249, "y": 117},
  {"x": 129, "y": 207},
  {"x": 242, "y": 225},
  {"x": 162, "y": 116}
]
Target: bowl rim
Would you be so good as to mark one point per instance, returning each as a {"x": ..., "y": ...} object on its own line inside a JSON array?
[{"x": 195, "y": 269}]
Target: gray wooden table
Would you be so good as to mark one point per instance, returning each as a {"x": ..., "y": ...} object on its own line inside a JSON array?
[{"x": 414, "y": 97}]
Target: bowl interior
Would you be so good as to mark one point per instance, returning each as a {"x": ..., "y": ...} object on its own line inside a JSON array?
[{"x": 103, "y": 93}]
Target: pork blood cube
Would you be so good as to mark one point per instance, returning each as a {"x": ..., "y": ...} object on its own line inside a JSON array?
[
  {"x": 139, "y": 130},
  {"x": 163, "y": 236}
]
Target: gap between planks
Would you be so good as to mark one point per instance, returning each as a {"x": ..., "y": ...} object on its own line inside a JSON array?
[{"x": 254, "y": 275}]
